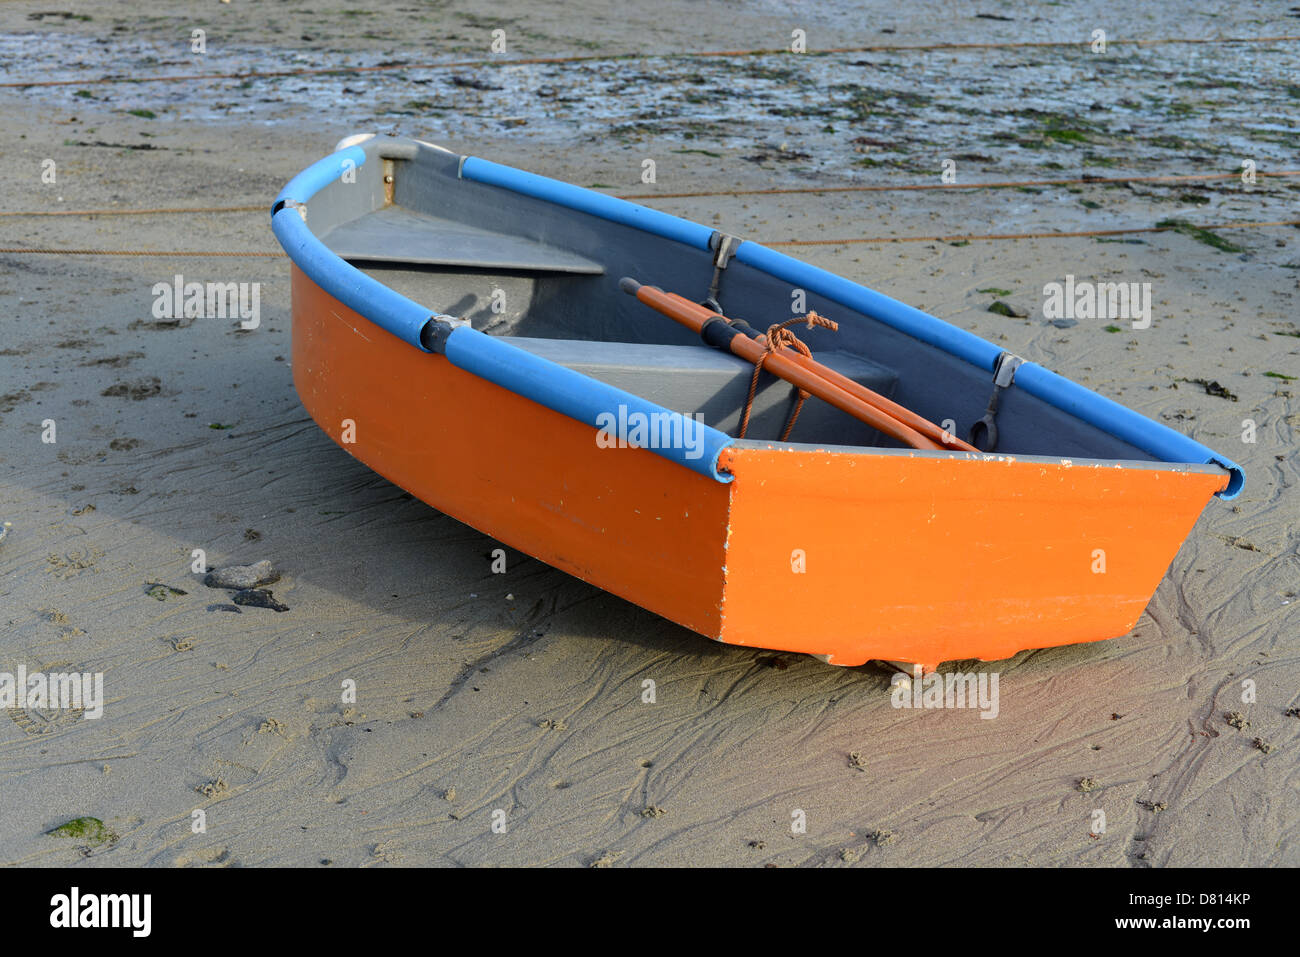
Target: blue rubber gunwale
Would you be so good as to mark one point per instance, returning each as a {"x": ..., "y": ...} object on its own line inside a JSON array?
[
  {"x": 547, "y": 383},
  {"x": 1109, "y": 416},
  {"x": 587, "y": 400},
  {"x": 1042, "y": 383}
]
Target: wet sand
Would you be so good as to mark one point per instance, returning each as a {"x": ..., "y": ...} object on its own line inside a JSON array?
[{"x": 522, "y": 692}]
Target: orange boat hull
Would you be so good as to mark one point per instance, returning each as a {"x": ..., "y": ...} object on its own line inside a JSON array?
[{"x": 882, "y": 554}]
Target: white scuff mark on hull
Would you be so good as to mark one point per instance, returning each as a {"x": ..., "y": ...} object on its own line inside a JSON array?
[{"x": 349, "y": 325}]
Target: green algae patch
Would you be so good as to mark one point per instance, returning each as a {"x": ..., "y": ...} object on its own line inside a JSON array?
[
  {"x": 1200, "y": 235},
  {"x": 90, "y": 830}
]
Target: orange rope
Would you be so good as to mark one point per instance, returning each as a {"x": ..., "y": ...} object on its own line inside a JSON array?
[
  {"x": 862, "y": 188},
  {"x": 1004, "y": 184},
  {"x": 131, "y": 252},
  {"x": 779, "y": 335},
  {"x": 969, "y": 237},
  {"x": 157, "y": 210},
  {"x": 1053, "y": 235}
]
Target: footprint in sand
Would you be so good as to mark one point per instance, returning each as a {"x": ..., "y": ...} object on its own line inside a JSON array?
[
  {"x": 73, "y": 563},
  {"x": 204, "y": 857},
  {"x": 37, "y": 721}
]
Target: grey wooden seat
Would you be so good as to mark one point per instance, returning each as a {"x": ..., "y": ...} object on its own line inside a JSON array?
[
  {"x": 399, "y": 235},
  {"x": 690, "y": 379}
]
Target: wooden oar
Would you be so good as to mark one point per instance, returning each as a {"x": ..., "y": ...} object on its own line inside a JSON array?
[
  {"x": 718, "y": 332},
  {"x": 891, "y": 408}
]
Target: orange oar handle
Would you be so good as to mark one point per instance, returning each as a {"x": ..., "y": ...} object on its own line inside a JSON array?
[
  {"x": 856, "y": 389},
  {"x": 695, "y": 316},
  {"x": 887, "y": 406},
  {"x": 812, "y": 383}
]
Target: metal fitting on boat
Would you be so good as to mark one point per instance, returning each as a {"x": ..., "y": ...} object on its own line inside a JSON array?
[
  {"x": 435, "y": 332},
  {"x": 724, "y": 247},
  {"x": 984, "y": 433}
]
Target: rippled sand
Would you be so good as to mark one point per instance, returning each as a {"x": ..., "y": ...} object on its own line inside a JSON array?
[{"x": 523, "y": 693}]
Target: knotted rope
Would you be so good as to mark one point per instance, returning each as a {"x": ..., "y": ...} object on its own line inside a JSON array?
[{"x": 778, "y": 335}]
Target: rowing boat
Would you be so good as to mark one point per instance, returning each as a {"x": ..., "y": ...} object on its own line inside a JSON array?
[{"x": 761, "y": 451}]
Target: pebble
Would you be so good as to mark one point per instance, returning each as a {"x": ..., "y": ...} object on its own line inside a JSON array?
[{"x": 242, "y": 576}]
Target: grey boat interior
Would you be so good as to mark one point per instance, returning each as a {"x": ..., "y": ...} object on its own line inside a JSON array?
[{"x": 546, "y": 278}]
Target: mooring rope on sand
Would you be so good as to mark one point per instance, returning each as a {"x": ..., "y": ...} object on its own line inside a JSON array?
[
  {"x": 49, "y": 251},
  {"x": 845, "y": 241},
  {"x": 681, "y": 55},
  {"x": 153, "y": 211},
  {"x": 774, "y": 191},
  {"x": 1002, "y": 184},
  {"x": 971, "y": 237}
]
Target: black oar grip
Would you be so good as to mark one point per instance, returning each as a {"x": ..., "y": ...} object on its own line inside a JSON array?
[{"x": 718, "y": 333}]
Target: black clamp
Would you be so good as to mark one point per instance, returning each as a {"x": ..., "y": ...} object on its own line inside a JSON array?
[
  {"x": 434, "y": 334},
  {"x": 724, "y": 247},
  {"x": 984, "y": 433}
]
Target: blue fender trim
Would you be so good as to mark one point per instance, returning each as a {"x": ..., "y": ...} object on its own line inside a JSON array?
[
  {"x": 1111, "y": 417},
  {"x": 319, "y": 175},
  {"x": 907, "y": 319},
  {"x": 594, "y": 403},
  {"x": 360, "y": 293},
  {"x": 587, "y": 400},
  {"x": 554, "y": 386},
  {"x": 587, "y": 201},
  {"x": 1123, "y": 423}
]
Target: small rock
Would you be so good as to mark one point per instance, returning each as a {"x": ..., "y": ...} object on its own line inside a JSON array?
[
  {"x": 1064, "y": 323},
  {"x": 1216, "y": 389},
  {"x": 240, "y": 577}
]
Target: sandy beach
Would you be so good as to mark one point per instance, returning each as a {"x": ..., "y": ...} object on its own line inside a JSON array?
[{"x": 517, "y": 697}]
